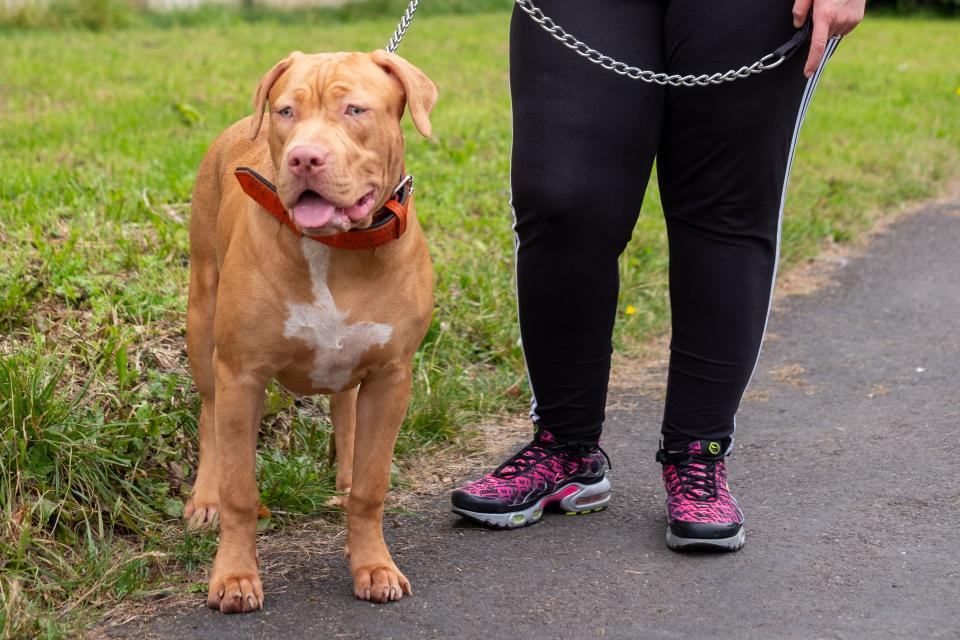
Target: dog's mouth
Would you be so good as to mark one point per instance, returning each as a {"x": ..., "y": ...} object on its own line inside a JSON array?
[{"x": 314, "y": 213}]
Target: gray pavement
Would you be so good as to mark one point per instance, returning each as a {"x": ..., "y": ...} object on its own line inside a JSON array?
[{"x": 844, "y": 465}]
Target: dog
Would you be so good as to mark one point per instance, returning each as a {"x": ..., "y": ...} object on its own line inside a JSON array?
[{"x": 322, "y": 282}]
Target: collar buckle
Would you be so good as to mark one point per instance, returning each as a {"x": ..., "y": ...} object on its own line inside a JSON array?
[{"x": 405, "y": 189}]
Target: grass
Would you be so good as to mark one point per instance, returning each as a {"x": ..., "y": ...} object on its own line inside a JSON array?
[
  {"x": 104, "y": 15},
  {"x": 99, "y": 142}
]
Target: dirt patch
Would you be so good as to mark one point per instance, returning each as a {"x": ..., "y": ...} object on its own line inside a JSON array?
[
  {"x": 878, "y": 390},
  {"x": 792, "y": 375},
  {"x": 439, "y": 470},
  {"x": 643, "y": 369},
  {"x": 818, "y": 272},
  {"x": 756, "y": 395}
]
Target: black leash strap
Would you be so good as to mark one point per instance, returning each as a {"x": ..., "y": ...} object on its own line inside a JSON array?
[{"x": 799, "y": 39}]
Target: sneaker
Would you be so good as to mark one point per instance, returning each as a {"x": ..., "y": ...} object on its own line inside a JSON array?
[
  {"x": 544, "y": 472},
  {"x": 701, "y": 513}
]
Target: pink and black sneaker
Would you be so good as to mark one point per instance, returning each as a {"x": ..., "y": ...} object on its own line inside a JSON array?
[
  {"x": 545, "y": 472},
  {"x": 701, "y": 513}
]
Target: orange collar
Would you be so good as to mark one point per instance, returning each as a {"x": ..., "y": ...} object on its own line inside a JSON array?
[{"x": 392, "y": 215}]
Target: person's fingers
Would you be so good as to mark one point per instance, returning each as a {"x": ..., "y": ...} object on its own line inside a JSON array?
[
  {"x": 849, "y": 22},
  {"x": 818, "y": 44},
  {"x": 800, "y": 10}
]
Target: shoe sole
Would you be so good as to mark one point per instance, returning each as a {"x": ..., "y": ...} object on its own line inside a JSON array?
[
  {"x": 572, "y": 499},
  {"x": 733, "y": 543}
]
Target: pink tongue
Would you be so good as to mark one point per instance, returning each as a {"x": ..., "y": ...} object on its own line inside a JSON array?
[
  {"x": 361, "y": 210},
  {"x": 312, "y": 210}
]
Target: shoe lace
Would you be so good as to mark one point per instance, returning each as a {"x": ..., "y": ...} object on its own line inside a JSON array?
[
  {"x": 538, "y": 452},
  {"x": 698, "y": 477}
]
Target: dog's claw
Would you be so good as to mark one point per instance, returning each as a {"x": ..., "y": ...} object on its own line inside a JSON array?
[
  {"x": 201, "y": 516},
  {"x": 381, "y": 584},
  {"x": 243, "y": 594}
]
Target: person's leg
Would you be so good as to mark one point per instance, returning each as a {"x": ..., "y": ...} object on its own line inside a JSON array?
[
  {"x": 584, "y": 139},
  {"x": 583, "y": 146},
  {"x": 722, "y": 167},
  {"x": 722, "y": 170}
]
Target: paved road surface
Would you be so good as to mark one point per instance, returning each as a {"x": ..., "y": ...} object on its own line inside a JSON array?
[{"x": 847, "y": 465}]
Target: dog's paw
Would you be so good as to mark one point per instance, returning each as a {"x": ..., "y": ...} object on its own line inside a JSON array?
[
  {"x": 380, "y": 584},
  {"x": 205, "y": 515},
  {"x": 240, "y": 593},
  {"x": 201, "y": 515},
  {"x": 338, "y": 502}
]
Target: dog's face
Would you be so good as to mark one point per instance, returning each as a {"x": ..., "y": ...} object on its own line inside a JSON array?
[{"x": 334, "y": 133}]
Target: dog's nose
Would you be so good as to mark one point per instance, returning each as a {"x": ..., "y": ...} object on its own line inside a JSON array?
[{"x": 307, "y": 159}]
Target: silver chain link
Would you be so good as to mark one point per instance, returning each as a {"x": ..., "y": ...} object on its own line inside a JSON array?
[
  {"x": 402, "y": 26},
  {"x": 765, "y": 63}
]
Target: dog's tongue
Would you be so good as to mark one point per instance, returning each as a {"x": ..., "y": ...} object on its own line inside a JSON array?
[{"x": 311, "y": 210}]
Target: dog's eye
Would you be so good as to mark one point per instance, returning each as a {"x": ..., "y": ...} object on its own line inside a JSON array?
[
  {"x": 354, "y": 110},
  {"x": 286, "y": 112}
]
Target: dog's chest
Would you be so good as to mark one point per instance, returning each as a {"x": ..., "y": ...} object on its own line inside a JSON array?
[{"x": 338, "y": 345}]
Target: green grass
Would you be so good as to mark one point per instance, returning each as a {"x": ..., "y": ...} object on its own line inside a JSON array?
[
  {"x": 100, "y": 138},
  {"x": 103, "y": 15}
]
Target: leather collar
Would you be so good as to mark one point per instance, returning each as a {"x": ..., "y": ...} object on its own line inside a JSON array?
[{"x": 389, "y": 222}]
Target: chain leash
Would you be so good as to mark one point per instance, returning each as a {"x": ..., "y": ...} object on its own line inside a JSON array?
[
  {"x": 402, "y": 26},
  {"x": 767, "y": 62}
]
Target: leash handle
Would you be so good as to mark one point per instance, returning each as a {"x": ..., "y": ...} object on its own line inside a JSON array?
[{"x": 791, "y": 46}]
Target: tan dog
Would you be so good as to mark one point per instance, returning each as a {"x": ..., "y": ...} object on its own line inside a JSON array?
[{"x": 265, "y": 303}]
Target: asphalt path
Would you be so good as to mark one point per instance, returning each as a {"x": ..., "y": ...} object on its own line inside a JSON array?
[{"x": 845, "y": 465}]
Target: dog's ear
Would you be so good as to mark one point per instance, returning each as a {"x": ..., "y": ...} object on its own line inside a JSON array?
[
  {"x": 419, "y": 91},
  {"x": 263, "y": 90}
]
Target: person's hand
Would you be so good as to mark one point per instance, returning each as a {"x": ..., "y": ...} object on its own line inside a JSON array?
[{"x": 830, "y": 18}]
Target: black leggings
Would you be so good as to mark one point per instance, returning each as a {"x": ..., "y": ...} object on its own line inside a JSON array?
[{"x": 584, "y": 142}]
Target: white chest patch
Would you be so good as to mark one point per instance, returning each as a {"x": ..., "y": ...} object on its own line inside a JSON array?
[{"x": 339, "y": 346}]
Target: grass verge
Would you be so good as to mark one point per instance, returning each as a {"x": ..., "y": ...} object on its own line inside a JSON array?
[{"x": 99, "y": 144}]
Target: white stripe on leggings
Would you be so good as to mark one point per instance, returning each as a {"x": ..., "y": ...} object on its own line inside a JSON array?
[{"x": 804, "y": 104}]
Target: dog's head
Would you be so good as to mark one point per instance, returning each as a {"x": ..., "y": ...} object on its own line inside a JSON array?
[{"x": 334, "y": 132}]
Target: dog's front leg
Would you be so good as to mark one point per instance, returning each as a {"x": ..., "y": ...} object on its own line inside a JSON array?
[
  {"x": 343, "y": 414},
  {"x": 381, "y": 405},
  {"x": 235, "y": 582}
]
